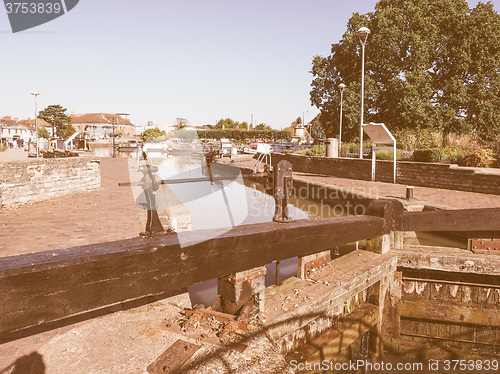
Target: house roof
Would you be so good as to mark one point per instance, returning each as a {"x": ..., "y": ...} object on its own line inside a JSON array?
[
  {"x": 16, "y": 123},
  {"x": 99, "y": 118},
  {"x": 32, "y": 123}
]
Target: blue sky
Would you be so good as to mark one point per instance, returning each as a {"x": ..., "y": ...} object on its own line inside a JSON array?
[{"x": 161, "y": 59}]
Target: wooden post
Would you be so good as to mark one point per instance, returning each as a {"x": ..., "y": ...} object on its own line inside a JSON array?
[
  {"x": 243, "y": 293},
  {"x": 392, "y": 212},
  {"x": 386, "y": 295},
  {"x": 380, "y": 244}
]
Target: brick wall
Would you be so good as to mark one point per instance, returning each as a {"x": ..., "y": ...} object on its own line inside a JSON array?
[
  {"x": 445, "y": 176},
  {"x": 36, "y": 180}
]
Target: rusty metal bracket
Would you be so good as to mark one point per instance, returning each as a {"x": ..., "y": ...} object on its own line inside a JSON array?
[
  {"x": 485, "y": 246},
  {"x": 283, "y": 185}
]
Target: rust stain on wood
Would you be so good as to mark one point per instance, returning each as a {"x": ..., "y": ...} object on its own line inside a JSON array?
[{"x": 173, "y": 358}]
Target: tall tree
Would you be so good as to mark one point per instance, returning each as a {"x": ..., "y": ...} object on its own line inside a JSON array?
[
  {"x": 262, "y": 126},
  {"x": 228, "y": 123},
  {"x": 152, "y": 134},
  {"x": 56, "y": 116},
  {"x": 423, "y": 60},
  {"x": 181, "y": 122}
]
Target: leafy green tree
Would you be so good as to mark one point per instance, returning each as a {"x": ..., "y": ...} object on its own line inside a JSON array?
[
  {"x": 228, "y": 123},
  {"x": 56, "y": 116},
  {"x": 43, "y": 133},
  {"x": 68, "y": 131},
  {"x": 152, "y": 134},
  {"x": 428, "y": 64},
  {"x": 317, "y": 129},
  {"x": 262, "y": 126},
  {"x": 483, "y": 73}
]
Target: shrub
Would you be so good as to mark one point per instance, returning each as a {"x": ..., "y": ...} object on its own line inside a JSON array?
[
  {"x": 387, "y": 154},
  {"x": 429, "y": 155},
  {"x": 317, "y": 150},
  {"x": 474, "y": 157},
  {"x": 302, "y": 152},
  {"x": 461, "y": 140},
  {"x": 495, "y": 146},
  {"x": 347, "y": 149},
  {"x": 244, "y": 134},
  {"x": 411, "y": 139},
  {"x": 480, "y": 157},
  {"x": 426, "y": 138},
  {"x": 406, "y": 139}
]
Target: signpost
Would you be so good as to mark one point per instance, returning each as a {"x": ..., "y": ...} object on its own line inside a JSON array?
[
  {"x": 379, "y": 134},
  {"x": 32, "y": 149}
]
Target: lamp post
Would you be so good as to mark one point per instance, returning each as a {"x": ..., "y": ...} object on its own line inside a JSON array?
[
  {"x": 363, "y": 33},
  {"x": 341, "y": 88},
  {"x": 304, "y": 123},
  {"x": 113, "y": 121},
  {"x": 34, "y": 93}
]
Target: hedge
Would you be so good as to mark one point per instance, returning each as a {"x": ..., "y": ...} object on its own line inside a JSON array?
[{"x": 244, "y": 134}]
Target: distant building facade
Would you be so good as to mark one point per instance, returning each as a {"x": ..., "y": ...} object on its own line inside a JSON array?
[
  {"x": 13, "y": 130},
  {"x": 300, "y": 133},
  {"x": 99, "y": 126}
]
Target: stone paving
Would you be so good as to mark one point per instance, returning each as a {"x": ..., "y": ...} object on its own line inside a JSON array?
[
  {"x": 13, "y": 154},
  {"x": 79, "y": 219}
]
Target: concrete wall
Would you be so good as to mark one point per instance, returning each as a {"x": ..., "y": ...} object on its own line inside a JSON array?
[
  {"x": 411, "y": 173},
  {"x": 36, "y": 180}
]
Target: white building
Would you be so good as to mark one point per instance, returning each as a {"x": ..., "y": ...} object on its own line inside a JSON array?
[
  {"x": 99, "y": 126},
  {"x": 14, "y": 130}
]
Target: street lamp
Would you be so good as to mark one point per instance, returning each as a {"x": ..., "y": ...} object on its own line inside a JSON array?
[
  {"x": 363, "y": 33},
  {"x": 113, "y": 119},
  {"x": 34, "y": 93},
  {"x": 341, "y": 88},
  {"x": 304, "y": 122}
]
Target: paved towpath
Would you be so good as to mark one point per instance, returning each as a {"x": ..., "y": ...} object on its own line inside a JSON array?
[
  {"x": 106, "y": 214},
  {"x": 13, "y": 154},
  {"x": 436, "y": 197}
]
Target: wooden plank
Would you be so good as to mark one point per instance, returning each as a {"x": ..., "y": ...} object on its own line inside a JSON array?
[
  {"x": 43, "y": 287},
  {"x": 354, "y": 272},
  {"x": 437, "y": 292},
  {"x": 173, "y": 358},
  {"x": 449, "y": 311},
  {"x": 448, "y": 260},
  {"x": 453, "y": 220}
]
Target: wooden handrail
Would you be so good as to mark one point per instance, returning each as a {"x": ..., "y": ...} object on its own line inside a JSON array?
[
  {"x": 452, "y": 220},
  {"x": 42, "y": 287}
]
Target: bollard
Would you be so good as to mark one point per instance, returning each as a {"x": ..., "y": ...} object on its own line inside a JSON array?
[
  {"x": 409, "y": 192},
  {"x": 332, "y": 148}
]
